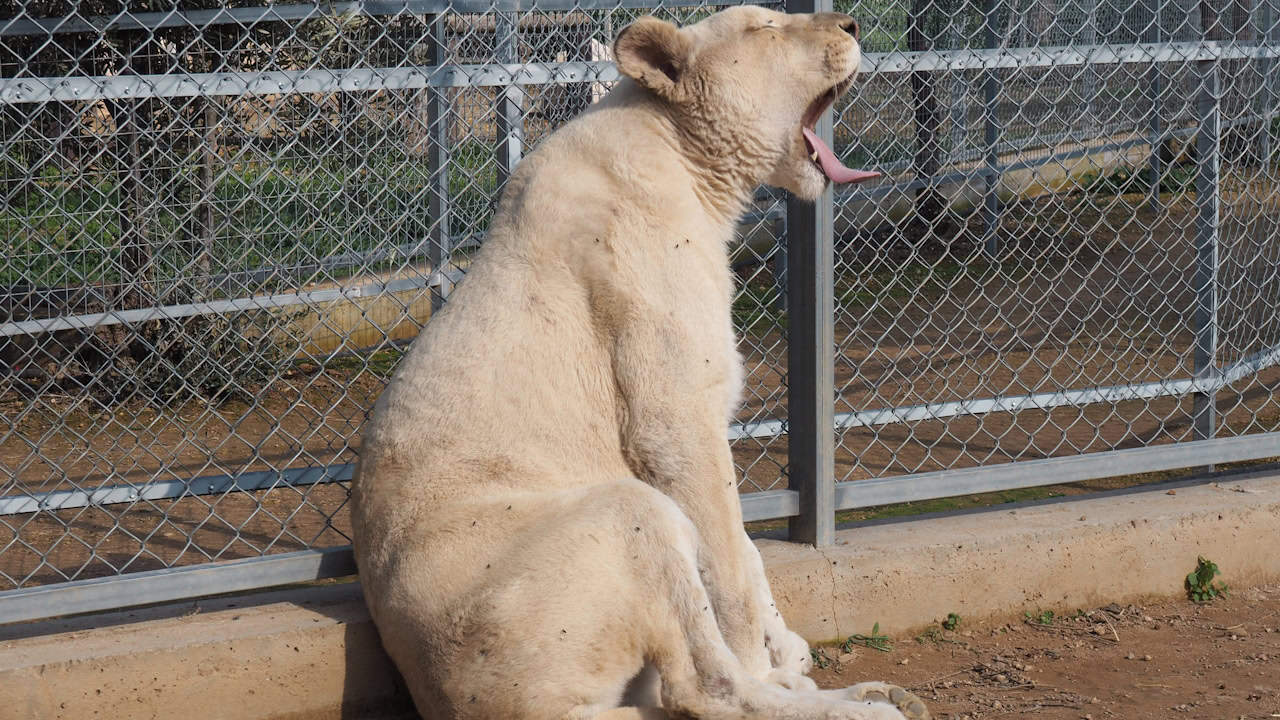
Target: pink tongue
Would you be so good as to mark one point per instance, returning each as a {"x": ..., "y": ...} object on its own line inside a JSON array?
[{"x": 831, "y": 166}]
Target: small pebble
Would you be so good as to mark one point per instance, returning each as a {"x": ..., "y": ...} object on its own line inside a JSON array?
[
  {"x": 1146, "y": 658},
  {"x": 903, "y": 661},
  {"x": 1130, "y": 656},
  {"x": 1002, "y": 678}
]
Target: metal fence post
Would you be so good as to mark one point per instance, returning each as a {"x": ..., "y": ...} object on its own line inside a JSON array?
[
  {"x": 1270, "y": 85},
  {"x": 439, "y": 247},
  {"x": 510, "y": 106},
  {"x": 811, "y": 350},
  {"x": 991, "y": 137},
  {"x": 1155, "y": 34},
  {"x": 1208, "y": 199},
  {"x": 1093, "y": 128}
]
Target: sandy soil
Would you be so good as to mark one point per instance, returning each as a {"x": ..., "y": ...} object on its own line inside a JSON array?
[{"x": 1159, "y": 660}]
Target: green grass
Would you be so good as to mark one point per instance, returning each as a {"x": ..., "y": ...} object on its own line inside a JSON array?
[
  {"x": 917, "y": 278},
  {"x": 1044, "y": 617},
  {"x": 1128, "y": 179},
  {"x": 757, "y": 307},
  {"x": 380, "y": 364},
  {"x": 63, "y": 228}
]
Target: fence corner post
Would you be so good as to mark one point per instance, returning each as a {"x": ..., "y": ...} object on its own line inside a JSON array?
[
  {"x": 1208, "y": 200},
  {"x": 439, "y": 247},
  {"x": 811, "y": 349},
  {"x": 991, "y": 139},
  {"x": 1270, "y": 95},
  {"x": 1154, "y": 91},
  {"x": 510, "y": 106}
]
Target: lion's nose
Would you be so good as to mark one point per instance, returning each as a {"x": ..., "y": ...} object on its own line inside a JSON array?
[{"x": 851, "y": 26}]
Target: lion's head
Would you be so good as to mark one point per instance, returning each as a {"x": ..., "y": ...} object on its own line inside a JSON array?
[{"x": 746, "y": 87}]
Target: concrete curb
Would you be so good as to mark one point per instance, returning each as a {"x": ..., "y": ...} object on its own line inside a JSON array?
[
  {"x": 309, "y": 653},
  {"x": 313, "y": 652},
  {"x": 1118, "y": 547}
]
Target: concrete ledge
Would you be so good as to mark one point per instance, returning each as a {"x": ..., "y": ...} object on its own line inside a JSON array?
[
  {"x": 313, "y": 653},
  {"x": 1116, "y": 547}
]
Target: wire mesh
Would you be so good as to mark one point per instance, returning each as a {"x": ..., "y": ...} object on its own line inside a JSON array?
[
  {"x": 224, "y": 221},
  {"x": 1047, "y": 241}
]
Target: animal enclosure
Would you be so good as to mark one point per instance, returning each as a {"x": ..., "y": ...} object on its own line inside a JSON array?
[{"x": 223, "y": 222}]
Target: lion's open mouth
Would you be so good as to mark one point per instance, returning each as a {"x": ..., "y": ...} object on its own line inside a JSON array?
[{"x": 819, "y": 153}]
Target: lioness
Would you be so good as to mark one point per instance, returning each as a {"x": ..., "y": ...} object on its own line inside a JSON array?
[{"x": 545, "y": 511}]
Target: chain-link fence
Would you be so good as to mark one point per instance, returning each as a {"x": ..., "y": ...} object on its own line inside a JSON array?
[{"x": 224, "y": 220}]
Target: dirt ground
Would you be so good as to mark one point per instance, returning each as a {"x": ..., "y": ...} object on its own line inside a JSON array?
[{"x": 1160, "y": 659}]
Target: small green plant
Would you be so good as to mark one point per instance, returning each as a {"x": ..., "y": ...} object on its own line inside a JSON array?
[
  {"x": 952, "y": 622},
  {"x": 1044, "y": 617},
  {"x": 930, "y": 634},
  {"x": 1200, "y": 585},
  {"x": 820, "y": 659},
  {"x": 875, "y": 641}
]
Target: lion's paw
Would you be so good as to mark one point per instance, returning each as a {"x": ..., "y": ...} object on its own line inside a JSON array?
[
  {"x": 907, "y": 703},
  {"x": 788, "y": 651},
  {"x": 791, "y": 680}
]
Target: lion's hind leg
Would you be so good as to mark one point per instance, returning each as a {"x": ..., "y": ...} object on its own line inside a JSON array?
[
  {"x": 600, "y": 585},
  {"x": 666, "y": 603},
  {"x": 632, "y": 713}
]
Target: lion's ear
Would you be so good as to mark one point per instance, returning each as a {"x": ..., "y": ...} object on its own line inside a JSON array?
[{"x": 654, "y": 53}]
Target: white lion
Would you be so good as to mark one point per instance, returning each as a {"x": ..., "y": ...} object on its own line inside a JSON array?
[{"x": 546, "y": 515}]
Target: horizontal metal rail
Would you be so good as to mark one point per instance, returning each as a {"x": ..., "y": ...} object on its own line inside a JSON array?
[
  {"x": 103, "y": 87},
  {"x": 171, "y": 584},
  {"x": 278, "y": 82},
  {"x": 197, "y": 19},
  {"x": 1235, "y": 372},
  {"x": 765, "y": 502},
  {"x": 1060, "y": 56},
  {"x": 220, "y": 307},
  {"x": 1060, "y": 398},
  {"x": 182, "y": 583},
  {"x": 165, "y": 489},
  {"x": 1054, "y": 471}
]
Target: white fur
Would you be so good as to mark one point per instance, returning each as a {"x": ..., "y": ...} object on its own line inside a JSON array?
[{"x": 545, "y": 511}]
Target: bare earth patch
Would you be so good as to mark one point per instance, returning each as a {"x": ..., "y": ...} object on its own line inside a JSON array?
[{"x": 1162, "y": 659}]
